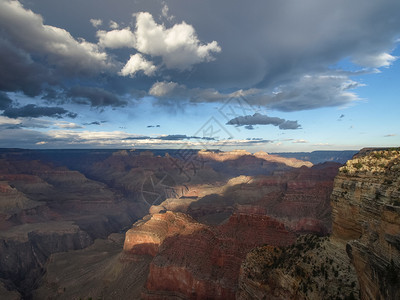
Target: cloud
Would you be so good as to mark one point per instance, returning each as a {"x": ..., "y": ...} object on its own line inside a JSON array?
[
  {"x": 375, "y": 60},
  {"x": 165, "y": 13},
  {"x": 178, "y": 46},
  {"x": 259, "y": 119},
  {"x": 165, "y": 89},
  {"x": 289, "y": 125},
  {"x": 309, "y": 92},
  {"x": 20, "y": 72},
  {"x": 33, "y": 111},
  {"x": 25, "y": 138},
  {"x": 174, "y": 137},
  {"x": 16, "y": 123},
  {"x": 5, "y": 101},
  {"x": 170, "y": 137},
  {"x": 300, "y": 141},
  {"x": 35, "y": 123},
  {"x": 169, "y": 90},
  {"x": 113, "y": 25},
  {"x": 96, "y": 22},
  {"x": 117, "y": 38},
  {"x": 68, "y": 125},
  {"x": 93, "y": 96},
  {"x": 138, "y": 63},
  {"x": 26, "y": 31},
  {"x": 95, "y": 123}
]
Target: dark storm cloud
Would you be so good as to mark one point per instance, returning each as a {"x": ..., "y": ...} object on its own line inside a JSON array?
[
  {"x": 33, "y": 111},
  {"x": 277, "y": 53},
  {"x": 5, "y": 101},
  {"x": 27, "y": 31},
  {"x": 289, "y": 125},
  {"x": 259, "y": 119},
  {"x": 93, "y": 96},
  {"x": 93, "y": 123},
  {"x": 19, "y": 72}
]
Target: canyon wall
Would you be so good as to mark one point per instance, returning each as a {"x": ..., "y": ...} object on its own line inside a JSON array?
[
  {"x": 366, "y": 215},
  {"x": 361, "y": 258}
]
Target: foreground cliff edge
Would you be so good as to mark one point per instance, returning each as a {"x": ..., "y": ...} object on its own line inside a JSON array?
[
  {"x": 366, "y": 216},
  {"x": 361, "y": 259}
]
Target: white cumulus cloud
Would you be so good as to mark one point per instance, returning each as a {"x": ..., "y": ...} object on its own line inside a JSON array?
[
  {"x": 162, "y": 89},
  {"x": 138, "y": 63},
  {"x": 178, "y": 46},
  {"x": 116, "y": 38}
]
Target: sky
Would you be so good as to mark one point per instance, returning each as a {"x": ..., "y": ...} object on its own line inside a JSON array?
[{"x": 276, "y": 75}]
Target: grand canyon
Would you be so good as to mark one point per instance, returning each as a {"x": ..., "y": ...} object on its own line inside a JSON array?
[{"x": 102, "y": 224}]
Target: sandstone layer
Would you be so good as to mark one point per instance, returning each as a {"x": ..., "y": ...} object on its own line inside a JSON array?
[
  {"x": 196, "y": 261},
  {"x": 366, "y": 215}
]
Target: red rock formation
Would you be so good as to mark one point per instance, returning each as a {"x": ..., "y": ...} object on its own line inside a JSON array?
[
  {"x": 146, "y": 236},
  {"x": 195, "y": 260}
]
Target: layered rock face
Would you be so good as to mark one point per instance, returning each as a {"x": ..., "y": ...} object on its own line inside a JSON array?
[
  {"x": 300, "y": 198},
  {"x": 196, "y": 261},
  {"x": 46, "y": 209},
  {"x": 360, "y": 259},
  {"x": 366, "y": 215}
]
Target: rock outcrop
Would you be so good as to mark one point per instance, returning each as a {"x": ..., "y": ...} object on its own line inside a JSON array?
[
  {"x": 311, "y": 268},
  {"x": 196, "y": 261},
  {"x": 366, "y": 215}
]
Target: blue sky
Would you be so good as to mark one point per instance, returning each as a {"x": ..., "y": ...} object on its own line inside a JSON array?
[{"x": 275, "y": 76}]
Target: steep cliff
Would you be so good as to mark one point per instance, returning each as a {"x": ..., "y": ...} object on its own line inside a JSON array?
[
  {"x": 25, "y": 248},
  {"x": 366, "y": 215},
  {"x": 362, "y": 256}
]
